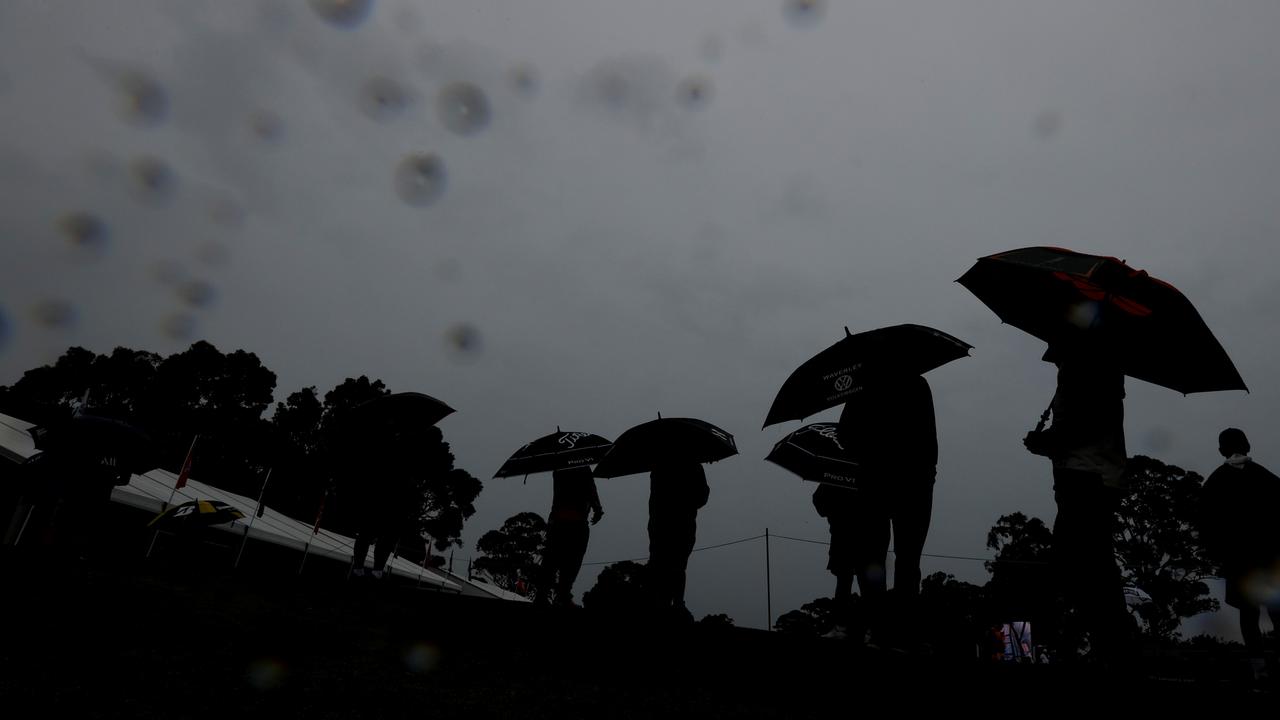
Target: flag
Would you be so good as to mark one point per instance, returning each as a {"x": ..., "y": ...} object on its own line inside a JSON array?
[
  {"x": 262, "y": 494},
  {"x": 320, "y": 513},
  {"x": 186, "y": 466}
]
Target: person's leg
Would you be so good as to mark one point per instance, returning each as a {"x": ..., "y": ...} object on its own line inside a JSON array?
[
  {"x": 1250, "y": 627},
  {"x": 1085, "y": 554},
  {"x": 870, "y": 549},
  {"x": 911, "y": 514},
  {"x": 382, "y": 550},
  {"x": 577, "y": 537},
  {"x": 360, "y": 551}
]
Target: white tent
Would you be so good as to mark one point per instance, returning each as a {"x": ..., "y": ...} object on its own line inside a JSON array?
[{"x": 151, "y": 490}]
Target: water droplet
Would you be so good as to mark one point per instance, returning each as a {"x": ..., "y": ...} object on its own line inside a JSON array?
[
  {"x": 85, "y": 230},
  {"x": 1047, "y": 124},
  {"x": 524, "y": 79},
  {"x": 197, "y": 293},
  {"x": 695, "y": 92},
  {"x": 420, "y": 178},
  {"x": 266, "y": 673},
  {"x": 804, "y": 13},
  {"x": 422, "y": 657},
  {"x": 463, "y": 108},
  {"x": 213, "y": 253},
  {"x": 343, "y": 13},
  {"x": 168, "y": 272},
  {"x": 463, "y": 341},
  {"x": 226, "y": 213},
  {"x": 383, "y": 98},
  {"x": 145, "y": 101},
  {"x": 153, "y": 180},
  {"x": 179, "y": 326},
  {"x": 56, "y": 314},
  {"x": 266, "y": 126}
]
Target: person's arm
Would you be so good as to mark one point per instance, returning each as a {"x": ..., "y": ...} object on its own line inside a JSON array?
[{"x": 597, "y": 511}]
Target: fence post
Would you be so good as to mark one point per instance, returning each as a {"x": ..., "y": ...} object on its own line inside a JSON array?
[{"x": 768, "y": 583}]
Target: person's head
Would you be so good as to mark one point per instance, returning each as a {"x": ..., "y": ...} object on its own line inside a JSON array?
[{"x": 1232, "y": 441}]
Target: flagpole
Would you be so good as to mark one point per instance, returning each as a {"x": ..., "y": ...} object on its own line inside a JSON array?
[
  {"x": 314, "y": 531},
  {"x": 245, "y": 540},
  {"x": 182, "y": 480}
]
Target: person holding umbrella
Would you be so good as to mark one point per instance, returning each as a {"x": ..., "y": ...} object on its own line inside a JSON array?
[
  {"x": 1102, "y": 320},
  {"x": 1087, "y": 447},
  {"x": 672, "y": 451},
  {"x": 574, "y": 495},
  {"x": 677, "y": 490},
  {"x": 890, "y": 430}
]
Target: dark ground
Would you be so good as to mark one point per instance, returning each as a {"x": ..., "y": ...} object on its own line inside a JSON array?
[{"x": 169, "y": 638}]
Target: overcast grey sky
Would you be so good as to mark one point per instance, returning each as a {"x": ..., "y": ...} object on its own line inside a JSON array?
[{"x": 622, "y": 246}]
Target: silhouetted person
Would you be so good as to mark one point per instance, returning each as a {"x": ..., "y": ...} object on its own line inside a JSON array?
[
  {"x": 839, "y": 505},
  {"x": 676, "y": 492},
  {"x": 384, "y": 500},
  {"x": 1086, "y": 444},
  {"x": 889, "y": 429},
  {"x": 1241, "y": 530},
  {"x": 574, "y": 497}
]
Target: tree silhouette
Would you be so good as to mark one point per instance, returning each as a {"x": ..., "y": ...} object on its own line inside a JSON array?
[
  {"x": 812, "y": 619},
  {"x": 1158, "y": 545},
  {"x": 620, "y": 588},
  {"x": 222, "y": 397},
  {"x": 954, "y": 615},
  {"x": 719, "y": 620},
  {"x": 513, "y": 553}
]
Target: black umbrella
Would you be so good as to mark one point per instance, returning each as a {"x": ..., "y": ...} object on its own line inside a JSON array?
[
  {"x": 93, "y": 441},
  {"x": 195, "y": 514},
  {"x": 557, "y": 451},
  {"x": 665, "y": 440},
  {"x": 1065, "y": 297},
  {"x": 814, "y": 453},
  {"x": 841, "y": 371},
  {"x": 401, "y": 410}
]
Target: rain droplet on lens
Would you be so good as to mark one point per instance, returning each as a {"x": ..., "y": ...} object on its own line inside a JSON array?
[
  {"x": 145, "y": 101},
  {"x": 179, "y": 326},
  {"x": 196, "y": 293},
  {"x": 383, "y": 98},
  {"x": 343, "y": 13},
  {"x": 168, "y": 272},
  {"x": 1047, "y": 124},
  {"x": 422, "y": 657},
  {"x": 463, "y": 108},
  {"x": 694, "y": 92},
  {"x": 85, "y": 230},
  {"x": 266, "y": 673},
  {"x": 57, "y": 314},
  {"x": 213, "y": 253},
  {"x": 420, "y": 178},
  {"x": 153, "y": 179},
  {"x": 226, "y": 213},
  {"x": 524, "y": 79},
  {"x": 463, "y": 341},
  {"x": 804, "y": 13},
  {"x": 266, "y": 126}
]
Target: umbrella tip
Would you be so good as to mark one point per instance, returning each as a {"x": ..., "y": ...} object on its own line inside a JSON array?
[
  {"x": 557, "y": 428},
  {"x": 659, "y": 414},
  {"x": 846, "y": 331}
]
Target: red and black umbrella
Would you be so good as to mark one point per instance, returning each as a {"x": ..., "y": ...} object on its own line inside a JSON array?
[
  {"x": 665, "y": 441},
  {"x": 838, "y": 373},
  {"x": 558, "y": 451},
  {"x": 814, "y": 453},
  {"x": 1065, "y": 298}
]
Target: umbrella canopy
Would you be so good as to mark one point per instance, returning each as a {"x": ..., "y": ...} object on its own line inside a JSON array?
[
  {"x": 1064, "y": 297},
  {"x": 834, "y": 375},
  {"x": 95, "y": 441},
  {"x": 405, "y": 409},
  {"x": 814, "y": 453},
  {"x": 557, "y": 451},
  {"x": 194, "y": 514},
  {"x": 665, "y": 440}
]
